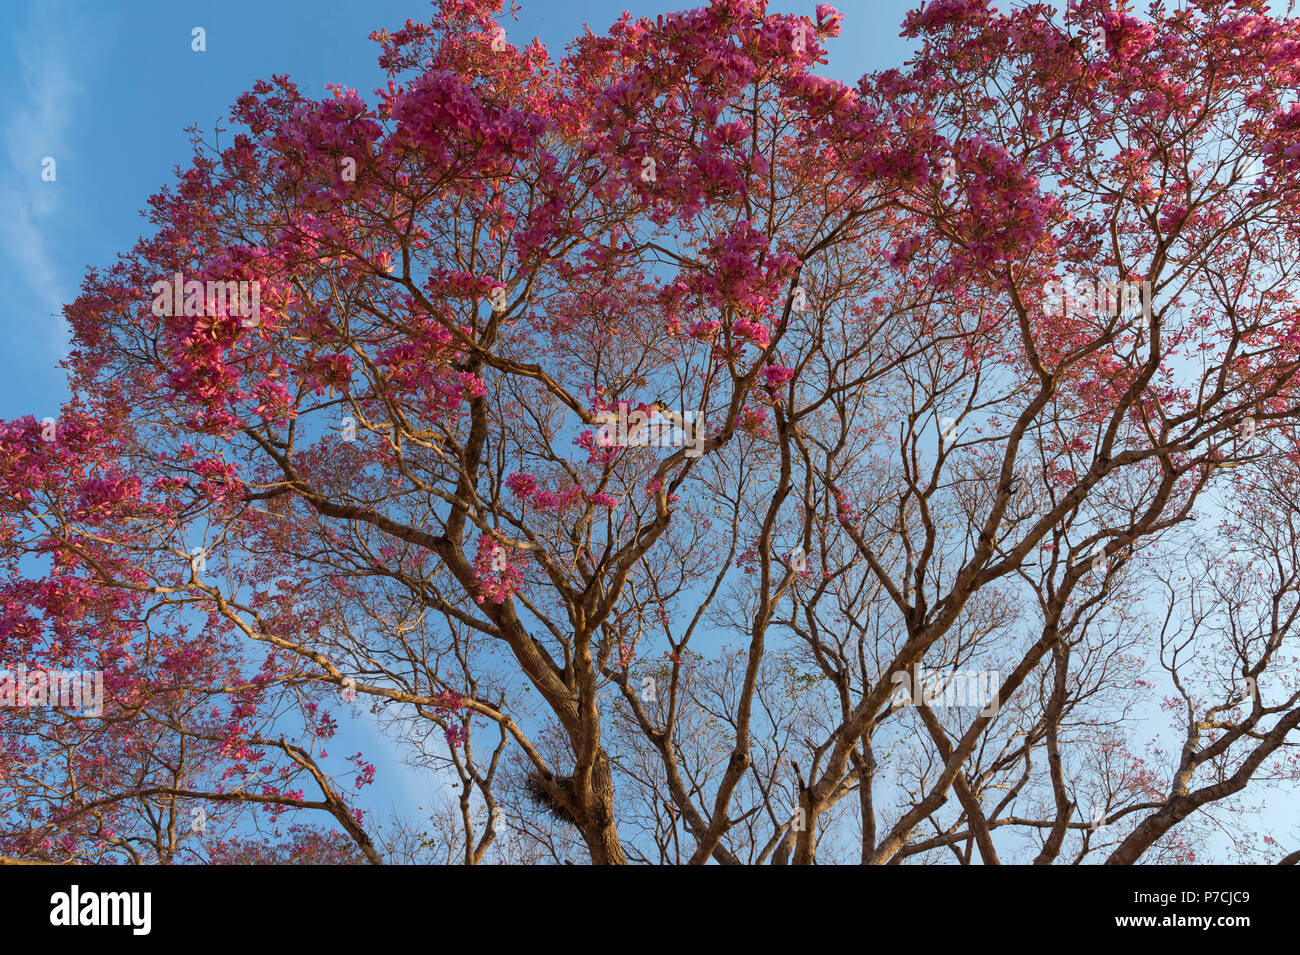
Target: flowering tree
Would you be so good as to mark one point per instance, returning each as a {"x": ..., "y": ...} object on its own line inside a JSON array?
[{"x": 632, "y": 432}]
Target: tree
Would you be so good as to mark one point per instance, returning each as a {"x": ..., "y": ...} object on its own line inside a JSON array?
[{"x": 633, "y": 432}]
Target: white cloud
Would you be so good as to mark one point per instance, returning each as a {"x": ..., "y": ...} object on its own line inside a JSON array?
[{"x": 39, "y": 122}]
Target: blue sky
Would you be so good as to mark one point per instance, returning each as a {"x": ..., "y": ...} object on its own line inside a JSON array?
[{"x": 107, "y": 89}]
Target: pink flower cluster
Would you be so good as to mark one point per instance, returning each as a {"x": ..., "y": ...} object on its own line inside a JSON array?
[
  {"x": 499, "y": 578},
  {"x": 526, "y": 487}
]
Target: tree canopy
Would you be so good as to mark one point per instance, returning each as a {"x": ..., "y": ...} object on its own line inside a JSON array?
[{"x": 699, "y": 458}]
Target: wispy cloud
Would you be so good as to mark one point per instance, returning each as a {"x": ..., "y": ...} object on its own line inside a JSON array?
[{"x": 39, "y": 124}]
